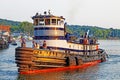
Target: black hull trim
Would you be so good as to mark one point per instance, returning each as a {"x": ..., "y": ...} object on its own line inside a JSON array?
[{"x": 66, "y": 49}]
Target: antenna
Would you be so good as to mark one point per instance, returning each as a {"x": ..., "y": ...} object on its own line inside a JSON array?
[{"x": 49, "y": 12}]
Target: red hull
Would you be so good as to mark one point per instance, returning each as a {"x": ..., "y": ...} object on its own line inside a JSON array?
[{"x": 61, "y": 69}]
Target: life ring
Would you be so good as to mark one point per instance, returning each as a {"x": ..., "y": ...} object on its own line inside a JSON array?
[{"x": 36, "y": 52}]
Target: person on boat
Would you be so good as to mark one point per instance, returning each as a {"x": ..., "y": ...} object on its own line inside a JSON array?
[
  {"x": 37, "y": 46},
  {"x": 85, "y": 39},
  {"x": 34, "y": 45},
  {"x": 94, "y": 41},
  {"x": 40, "y": 43},
  {"x": 44, "y": 45},
  {"x": 85, "y": 36},
  {"x": 23, "y": 42}
]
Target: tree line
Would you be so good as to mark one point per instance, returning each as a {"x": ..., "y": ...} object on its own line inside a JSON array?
[
  {"x": 24, "y": 27},
  {"x": 98, "y": 32},
  {"x": 77, "y": 30},
  {"x": 20, "y": 27}
]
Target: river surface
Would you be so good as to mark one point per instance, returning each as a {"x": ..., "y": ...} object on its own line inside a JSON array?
[{"x": 109, "y": 70}]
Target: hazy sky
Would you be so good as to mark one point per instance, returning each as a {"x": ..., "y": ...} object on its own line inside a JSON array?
[{"x": 103, "y": 13}]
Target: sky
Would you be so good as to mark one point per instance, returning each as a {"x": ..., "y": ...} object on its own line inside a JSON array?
[{"x": 102, "y": 13}]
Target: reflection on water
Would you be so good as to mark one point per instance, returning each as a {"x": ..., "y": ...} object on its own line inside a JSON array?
[
  {"x": 108, "y": 70},
  {"x": 79, "y": 74}
]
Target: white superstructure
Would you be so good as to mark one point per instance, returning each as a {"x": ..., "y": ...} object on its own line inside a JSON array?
[{"x": 49, "y": 28}]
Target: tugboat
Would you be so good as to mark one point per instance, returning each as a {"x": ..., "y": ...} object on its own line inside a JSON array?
[{"x": 53, "y": 49}]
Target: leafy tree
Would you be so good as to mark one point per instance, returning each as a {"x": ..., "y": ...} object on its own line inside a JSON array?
[
  {"x": 100, "y": 33},
  {"x": 26, "y": 27}
]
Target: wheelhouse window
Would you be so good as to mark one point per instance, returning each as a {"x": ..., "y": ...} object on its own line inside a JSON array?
[
  {"x": 69, "y": 46},
  {"x": 61, "y": 22},
  {"x": 36, "y": 22},
  {"x": 41, "y": 22},
  {"x": 47, "y": 21},
  {"x": 58, "y": 21},
  {"x": 53, "y": 21}
]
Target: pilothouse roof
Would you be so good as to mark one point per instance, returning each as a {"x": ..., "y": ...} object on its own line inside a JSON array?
[{"x": 45, "y": 15}]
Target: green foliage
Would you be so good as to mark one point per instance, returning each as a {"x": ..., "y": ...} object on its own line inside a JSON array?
[
  {"x": 15, "y": 26},
  {"x": 9, "y": 22},
  {"x": 100, "y": 33},
  {"x": 26, "y": 27}
]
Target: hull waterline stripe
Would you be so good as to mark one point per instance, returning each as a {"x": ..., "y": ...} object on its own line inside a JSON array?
[{"x": 85, "y": 65}]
